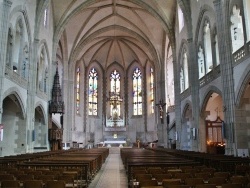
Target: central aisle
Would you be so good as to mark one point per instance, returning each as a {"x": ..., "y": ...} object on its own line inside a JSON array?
[{"x": 112, "y": 173}]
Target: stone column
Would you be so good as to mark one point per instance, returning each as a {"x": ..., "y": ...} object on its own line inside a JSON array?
[
  {"x": 69, "y": 105},
  {"x": 226, "y": 61},
  {"x": 4, "y": 20},
  {"x": 31, "y": 93},
  {"x": 125, "y": 101},
  {"x": 161, "y": 127},
  {"x": 144, "y": 102},
  {"x": 194, "y": 89},
  {"x": 177, "y": 98}
]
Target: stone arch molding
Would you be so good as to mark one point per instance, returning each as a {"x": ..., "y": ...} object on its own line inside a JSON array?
[
  {"x": 117, "y": 66},
  {"x": 97, "y": 65},
  {"x": 43, "y": 44},
  {"x": 131, "y": 67},
  {"x": 39, "y": 104},
  {"x": 244, "y": 80},
  {"x": 15, "y": 91},
  {"x": 204, "y": 100},
  {"x": 200, "y": 21},
  {"x": 25, "y": 18},
  {"x": 183, "y": 46},
  {"x": 157, "y": 14},
  {"x": 187, "y": 104},
  {"x": 92, "y": 36},
  {"x": 87, "y": 3}
]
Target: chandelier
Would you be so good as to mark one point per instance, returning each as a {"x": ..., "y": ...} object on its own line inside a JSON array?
[{"x": 115, "y": 98}]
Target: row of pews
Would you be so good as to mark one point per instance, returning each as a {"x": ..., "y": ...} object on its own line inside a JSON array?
[
  {"x": 232, "y": 164},
  {"x": 77, "y": 166},
  {"x": 134, "y": 158},
  {"x": 160, "y": 167}
]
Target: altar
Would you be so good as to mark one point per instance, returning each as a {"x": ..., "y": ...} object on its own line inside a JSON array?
[
  {"x": 115, "y": 142},
  {"x": 110, "y": 141}
]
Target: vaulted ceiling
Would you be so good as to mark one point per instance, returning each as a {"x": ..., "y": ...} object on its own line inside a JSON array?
[{"x": 114, "y": 30}]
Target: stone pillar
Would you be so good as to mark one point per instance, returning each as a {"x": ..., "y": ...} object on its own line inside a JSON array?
[
  {"x": 4, "y": 20},
  {"x": 125, "y": 101},
  {"x": 144, "y": 103},
  {"x": 69, "y": 113},
  {"x": 194, "y": 90},
  {"x": 31, "y": 93},
  {"x": 177, "y": 98},
  {"x": 162, "y": 126},
  {"x": 226, "y": 61}
]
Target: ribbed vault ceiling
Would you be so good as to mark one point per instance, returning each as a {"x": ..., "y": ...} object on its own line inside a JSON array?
[{"x": 115, "y": 30}]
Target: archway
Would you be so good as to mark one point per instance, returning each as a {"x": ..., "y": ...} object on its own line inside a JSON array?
[
  {"x": 13, "y": 127},
  {"x": 242, "y": 119},
  {"x": 186, "y": 128},
  {"x": 213, "y": 117},
  {"x": 39, "y": 135}
]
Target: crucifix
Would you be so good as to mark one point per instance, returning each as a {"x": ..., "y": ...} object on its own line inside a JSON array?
[{"x": 160, "y": 105}]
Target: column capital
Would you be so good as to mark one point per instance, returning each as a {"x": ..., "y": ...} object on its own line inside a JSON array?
[
  {"x": 8, "y": 3},
  {"x": 36, "y": 40},
  {"x": 190, "y": 40}
]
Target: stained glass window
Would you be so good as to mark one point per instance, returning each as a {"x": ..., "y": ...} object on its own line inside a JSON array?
[
  {"x": 152, "y": 89},
  {"x": 137, "y": 92},
  {"x": 115, "y": 84},
  {"x": 180, "y": 19},
  {"x": 78, "y": 90},
  {"x": 92, "y": 95}
]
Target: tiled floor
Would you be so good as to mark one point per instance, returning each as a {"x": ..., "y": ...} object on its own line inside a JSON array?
[{"x": 112, "y": 173}]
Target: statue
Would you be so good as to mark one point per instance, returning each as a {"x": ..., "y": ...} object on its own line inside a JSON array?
[{"x": 161, "y": 104}]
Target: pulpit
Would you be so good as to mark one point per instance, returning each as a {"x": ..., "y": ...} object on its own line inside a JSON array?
[{"x": 55, "y": 138}]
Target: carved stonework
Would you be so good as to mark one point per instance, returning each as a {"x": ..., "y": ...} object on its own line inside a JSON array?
[
  {"x": 56, "y": 105},
  {"x": 15, "y": 77},
  {"x": 55, "y": 134}
]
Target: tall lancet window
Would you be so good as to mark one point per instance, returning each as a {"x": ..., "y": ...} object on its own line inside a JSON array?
[
  {"x": 236, "y": 29},
  {"x": 185, "y": 66},
  {"x": 115, "y": 84},
  {"x": 137, "y": 92},
  {"x": 208, "y": 48},
  {"x": 217, "y": 50},
  {"x": 78, "y": 90},
  {"x": 182, "y": 80},
  {"x": 152, "y": 89},
  {"x": 93, "y": 93},
  {"x": 201, "y": 62}
]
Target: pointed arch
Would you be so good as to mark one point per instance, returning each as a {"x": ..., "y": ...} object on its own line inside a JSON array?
[
  {"x": 41, "y": 106},
  {"x": 184, "y": 65},
  {"x": 210, "y": 90},
  {"x": 187, "y": 105},
  {"x": 240, "y": 90},
  {"x": 17, "y": 93}
]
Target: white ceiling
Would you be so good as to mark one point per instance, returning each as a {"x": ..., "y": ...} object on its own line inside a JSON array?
[{"x": 115, "y": 30}]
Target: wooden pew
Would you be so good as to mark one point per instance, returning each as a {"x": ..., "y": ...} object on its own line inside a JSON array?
[{"x": 135, "y": 158}]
